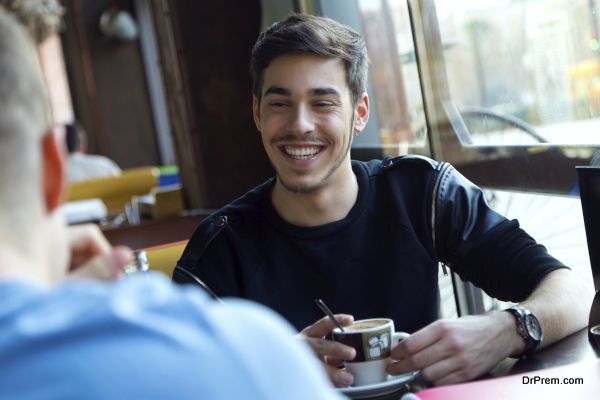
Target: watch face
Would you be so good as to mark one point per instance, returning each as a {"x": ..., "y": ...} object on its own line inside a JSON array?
[{"x": 533, "y": 327}]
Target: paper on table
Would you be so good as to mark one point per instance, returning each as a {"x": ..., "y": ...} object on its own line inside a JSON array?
[{"x": 76, "y": 212}]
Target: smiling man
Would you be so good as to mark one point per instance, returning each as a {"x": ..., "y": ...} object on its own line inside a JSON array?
[
  {"x": 367, "y": 237},
  {"x": 306, "y": 126}
]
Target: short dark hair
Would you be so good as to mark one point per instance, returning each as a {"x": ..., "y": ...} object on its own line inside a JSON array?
[
  {"x": 302, "y": 33},
  {"x": 72, "y": 137}
]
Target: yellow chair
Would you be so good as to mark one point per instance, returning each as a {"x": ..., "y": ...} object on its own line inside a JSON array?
[
  {"x": 163, "y": 258},
  {"x": 116, "y": 191}
]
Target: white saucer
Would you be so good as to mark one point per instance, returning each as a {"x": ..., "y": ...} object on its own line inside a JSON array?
[{"x": 392, "y": 384}]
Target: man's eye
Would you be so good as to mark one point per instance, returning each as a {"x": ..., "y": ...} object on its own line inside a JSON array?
[
  {"x": 277, "y": 104},
  {"x": 324, "y": 104}
]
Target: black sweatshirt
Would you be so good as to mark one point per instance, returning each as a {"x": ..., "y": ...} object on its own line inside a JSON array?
[{"x": 379, "y": 261}]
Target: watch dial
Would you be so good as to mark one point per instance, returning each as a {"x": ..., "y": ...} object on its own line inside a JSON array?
[{"x": 533, "y": 327}]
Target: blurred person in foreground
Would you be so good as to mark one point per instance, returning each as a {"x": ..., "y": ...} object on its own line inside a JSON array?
[
  {"x": 368, "y": 237},
  {"x": 66, "y": 337},
  {"x": 82, "y": 166}
]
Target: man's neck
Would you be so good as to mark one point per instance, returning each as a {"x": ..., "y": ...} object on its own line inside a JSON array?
[
  {"x": 331, "y": 203},
  {"x": 15, "y": 265}
]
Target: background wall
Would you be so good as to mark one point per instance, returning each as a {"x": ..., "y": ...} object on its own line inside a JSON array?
[
  {"x": 108, "y": 86},
  {"x": 208, "y": 86},
  {"x": 203, "y": 56}
]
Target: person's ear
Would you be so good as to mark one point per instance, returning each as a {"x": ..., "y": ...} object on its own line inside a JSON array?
[
  {"x": 361, "y": 113},
  {"x": 256, "y": 111},
  {"x": 54, "y": 168}
]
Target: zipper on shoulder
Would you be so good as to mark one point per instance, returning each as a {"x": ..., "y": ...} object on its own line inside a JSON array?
[{"x": 444, "y": 167}]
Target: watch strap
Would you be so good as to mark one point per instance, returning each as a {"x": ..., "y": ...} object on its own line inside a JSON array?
[{"x": 523, "y": 318}]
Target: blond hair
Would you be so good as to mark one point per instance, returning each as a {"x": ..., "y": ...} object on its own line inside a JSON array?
[{"x": 24, "y": 118}]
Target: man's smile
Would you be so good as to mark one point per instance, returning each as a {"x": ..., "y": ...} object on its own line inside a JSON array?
[{"x": 301, "y": 152}]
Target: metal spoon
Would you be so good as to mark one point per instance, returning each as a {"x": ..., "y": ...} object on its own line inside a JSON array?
[{"x": 328, "y": 312}]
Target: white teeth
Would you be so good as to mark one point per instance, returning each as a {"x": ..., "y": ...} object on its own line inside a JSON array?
[{"x": 302, "y": 153}]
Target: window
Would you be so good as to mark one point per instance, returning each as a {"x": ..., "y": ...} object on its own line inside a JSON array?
[
  {"x": 396, "y": 99},
  {"x": 506, "y": 90},
  {"x": 523, "y": 71}
]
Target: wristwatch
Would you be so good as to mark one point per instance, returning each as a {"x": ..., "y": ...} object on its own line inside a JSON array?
[{"x": 528, "y": 327}]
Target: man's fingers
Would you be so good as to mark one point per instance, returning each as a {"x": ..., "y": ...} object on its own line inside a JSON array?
[
  {"x": 331, "y": 349},
  {"x": 423, "y": 358},
  {"x": 104, "y": 266},
  {"x": 86, "y": 242},
  {"x": 89, "y": 236},
  {"x": 419, "y": 341},
  {"x": 325, "y": 325},
  {"x": 334, "y": 362},
  {"x": 449, "y": 351},
  {"x": 340, "y": 377},
  {"x": 440, "y": 371}
]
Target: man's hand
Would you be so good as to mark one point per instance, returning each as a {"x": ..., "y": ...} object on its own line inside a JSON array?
[
  {"x": 330, "y": 352},
  {"x": 451, "y": 351},
  {"x": 92, "y": 257}
]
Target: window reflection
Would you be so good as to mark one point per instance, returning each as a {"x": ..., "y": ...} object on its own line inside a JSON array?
[{"x": 523, "y": 71}]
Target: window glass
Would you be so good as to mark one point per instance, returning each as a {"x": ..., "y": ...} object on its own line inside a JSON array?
[
  {"x": 396, "y": 89},
  {"x": 523, "y": 71}
]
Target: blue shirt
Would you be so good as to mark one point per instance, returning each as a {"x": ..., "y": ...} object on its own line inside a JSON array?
[{"x": 144, "y": 338}]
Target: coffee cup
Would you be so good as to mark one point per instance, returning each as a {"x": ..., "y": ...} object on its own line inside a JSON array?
[{"x": 373, "y": 340}]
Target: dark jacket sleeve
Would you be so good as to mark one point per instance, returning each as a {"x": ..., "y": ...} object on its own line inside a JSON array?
[{"x": 482, "y": 246}]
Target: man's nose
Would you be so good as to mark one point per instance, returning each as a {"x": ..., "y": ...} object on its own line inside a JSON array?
[{"x": 302, "y": 120}]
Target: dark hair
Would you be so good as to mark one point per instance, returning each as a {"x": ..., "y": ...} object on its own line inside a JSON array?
[
  {"x": 301, "y": 33},
  {"x": 74, "y": 136}
]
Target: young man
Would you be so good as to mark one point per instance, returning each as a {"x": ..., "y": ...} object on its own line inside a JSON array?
[
  {"x": 367, "y": 237},
  {"x": 133, "y": 339}
]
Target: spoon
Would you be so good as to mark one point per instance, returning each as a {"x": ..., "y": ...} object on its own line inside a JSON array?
[{"x": 328, "y": 312}]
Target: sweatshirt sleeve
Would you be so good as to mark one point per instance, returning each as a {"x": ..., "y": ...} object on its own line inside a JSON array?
[{"x": 485, "y": 248}]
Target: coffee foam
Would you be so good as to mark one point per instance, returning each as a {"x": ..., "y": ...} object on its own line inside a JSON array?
[{"x": 360, "y": 326}]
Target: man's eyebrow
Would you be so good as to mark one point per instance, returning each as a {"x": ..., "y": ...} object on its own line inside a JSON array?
[
  {"x": 325, "y": 91},
  {"x": 277, "y": 90},
  {"x": 314, "y": 92}
]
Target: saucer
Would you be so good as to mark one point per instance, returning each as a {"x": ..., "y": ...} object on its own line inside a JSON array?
[{"x": 391, "y": 385}]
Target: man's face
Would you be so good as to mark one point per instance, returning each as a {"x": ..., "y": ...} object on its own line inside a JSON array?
[{"x": 306, "y": 119}]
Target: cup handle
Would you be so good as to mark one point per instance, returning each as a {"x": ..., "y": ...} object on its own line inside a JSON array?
[{"x": 397, "y": 337}]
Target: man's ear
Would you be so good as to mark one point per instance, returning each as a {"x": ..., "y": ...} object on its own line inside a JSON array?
[
  {"x": 256, "y": 111},
  {"x": 54, "y": 168},
  {"x": 361, "y": 113}
]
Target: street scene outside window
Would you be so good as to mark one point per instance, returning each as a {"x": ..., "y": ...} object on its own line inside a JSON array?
[{"x": 524, "y": 71}]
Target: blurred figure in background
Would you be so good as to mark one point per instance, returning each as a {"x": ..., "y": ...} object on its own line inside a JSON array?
[{"x": 84, "y": 166}]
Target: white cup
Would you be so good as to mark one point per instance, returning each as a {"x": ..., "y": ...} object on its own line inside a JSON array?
[{"x": 373, "y": 340}]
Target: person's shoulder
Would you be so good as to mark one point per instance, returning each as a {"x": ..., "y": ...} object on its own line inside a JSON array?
[
  {"x": 77, "y": 306},
  {"x": 138, "y": 293},
  {"x": 257, "y": 333},
  {"x": 247, "y": 339},
  {"x": 89, "y": 166},
  {"x": 103, "y": 161},
  {"x": 150, "y": 318},
  {"x": 245, "y": 210},
  {"x": 401, "y": 163}
]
